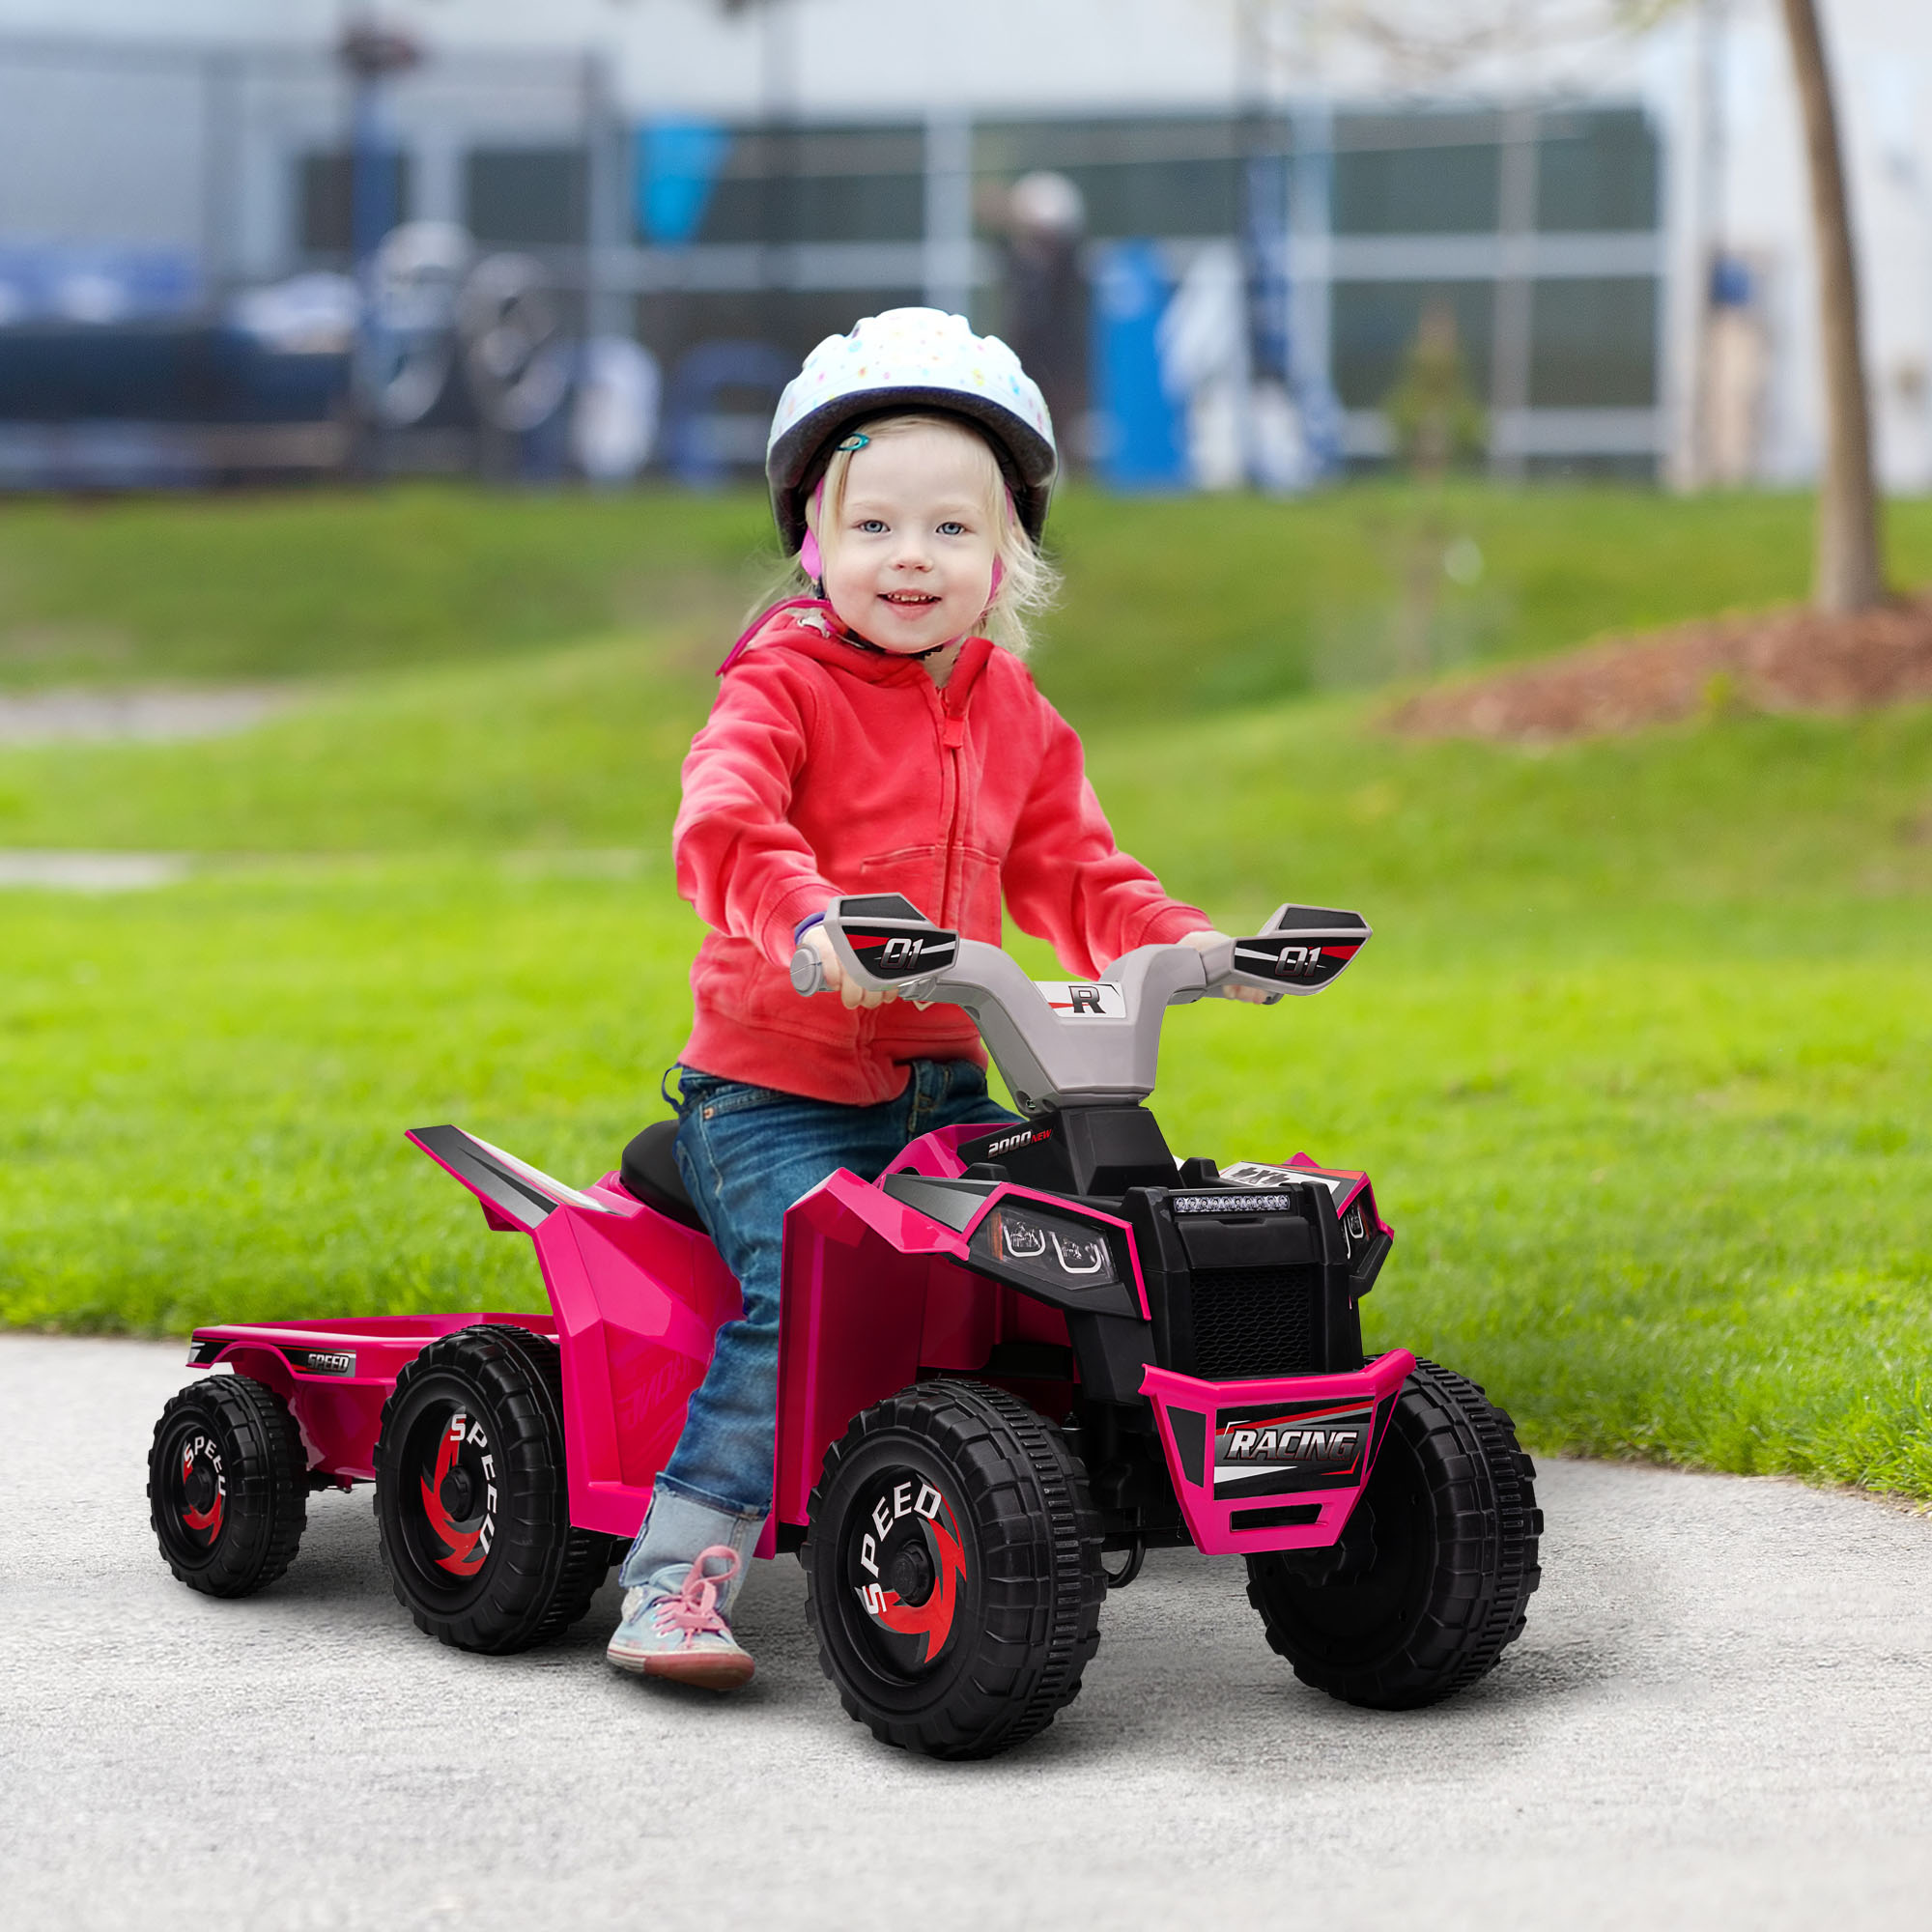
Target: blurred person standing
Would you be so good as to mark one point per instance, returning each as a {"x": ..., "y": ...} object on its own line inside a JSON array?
[{"x": 1047, "y": 297}]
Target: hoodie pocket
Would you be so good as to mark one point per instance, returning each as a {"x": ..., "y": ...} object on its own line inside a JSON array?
[
  {"x": 968, "y": 901},
  {"x": 976, "y": 909},
  {"x": 916, "y": 872}
]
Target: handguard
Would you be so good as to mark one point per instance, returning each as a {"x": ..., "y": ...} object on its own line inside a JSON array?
[
  {"x": 1301, "y": 950},
  {"x": 884, "y": 941}
]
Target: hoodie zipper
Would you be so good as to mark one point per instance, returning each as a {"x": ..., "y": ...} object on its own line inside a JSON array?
[{"x": 951, "y": 741}]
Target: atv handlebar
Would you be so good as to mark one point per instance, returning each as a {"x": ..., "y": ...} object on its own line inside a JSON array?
[{"x": 1061, "y": 1041}]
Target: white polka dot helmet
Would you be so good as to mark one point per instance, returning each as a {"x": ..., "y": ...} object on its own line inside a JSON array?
[{"x": 910, "y": 358}]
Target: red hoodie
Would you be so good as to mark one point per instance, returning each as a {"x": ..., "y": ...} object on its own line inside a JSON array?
[{"x": 827, "y": 769}]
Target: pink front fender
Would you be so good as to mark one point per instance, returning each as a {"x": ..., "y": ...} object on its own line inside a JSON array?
[{"x": 858, "y": 1266}]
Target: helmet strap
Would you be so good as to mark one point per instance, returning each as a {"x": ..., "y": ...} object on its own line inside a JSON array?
[
  {"x": 849, "y": 635},
  {"x": 811, "y": 558}
]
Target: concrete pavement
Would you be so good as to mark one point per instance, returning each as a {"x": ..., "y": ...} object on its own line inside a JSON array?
[{"x": 1721, "y": 1715}]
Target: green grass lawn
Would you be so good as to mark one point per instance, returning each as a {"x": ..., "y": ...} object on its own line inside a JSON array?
[
  {"x": 1638, "y": 1056},
  {"x": 1188, "y": 603},
  {"x": 294, "y": 585}
]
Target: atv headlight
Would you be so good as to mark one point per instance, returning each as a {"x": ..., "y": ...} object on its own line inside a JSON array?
[{"x": 1066, "y": 1252}]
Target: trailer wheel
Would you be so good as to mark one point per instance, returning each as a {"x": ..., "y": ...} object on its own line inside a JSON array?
[
  {"x": 470, "y": 1499},
  {"x": 227, "y": 1486},
  {"x": 952, "y": 1569},
  {"x": 1432, "y": 1576}
]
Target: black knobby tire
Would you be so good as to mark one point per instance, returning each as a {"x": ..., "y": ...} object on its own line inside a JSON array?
[
  {"x": 227, "y": 1486},
  {"x": 587, "y": 1557},
  {"x": 965, "y": 1516},
  {"x": 471, "y": 1504},
  {"x": 1434, "y": 1574}
]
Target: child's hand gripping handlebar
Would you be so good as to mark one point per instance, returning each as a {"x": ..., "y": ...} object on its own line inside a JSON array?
[
  {"x": 1061, "y": 1041},
  {"x": 882, "y": 943}
]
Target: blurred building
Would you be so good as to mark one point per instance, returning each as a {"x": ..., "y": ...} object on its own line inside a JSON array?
[{"x": 1617, "y": 226}]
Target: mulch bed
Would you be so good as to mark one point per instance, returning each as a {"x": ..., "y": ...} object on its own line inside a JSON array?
[{"x": 1790, "y": 659}]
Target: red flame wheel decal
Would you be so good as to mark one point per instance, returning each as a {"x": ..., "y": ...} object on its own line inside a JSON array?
[
  {"x": 203, "y": 1522},
  {"x": 465, "y": 1543},
  {"x": 919, "y": 1550},
  {"x": 933, "y": 1618}
]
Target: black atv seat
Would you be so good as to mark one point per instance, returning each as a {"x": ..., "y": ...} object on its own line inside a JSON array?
[{"x": 649, "y": 1171}]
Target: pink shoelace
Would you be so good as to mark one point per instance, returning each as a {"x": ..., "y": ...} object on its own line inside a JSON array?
[{"x": 693, "y": 1609}]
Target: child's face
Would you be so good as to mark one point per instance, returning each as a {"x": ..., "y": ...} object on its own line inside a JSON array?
[{"x": 911, "y": 564}]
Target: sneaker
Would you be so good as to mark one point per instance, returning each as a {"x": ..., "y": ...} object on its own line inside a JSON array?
[{"x": 679, "y": 1633}]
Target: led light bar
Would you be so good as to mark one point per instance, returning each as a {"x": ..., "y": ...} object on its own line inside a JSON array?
[{"x": 1283, "y": 1203}]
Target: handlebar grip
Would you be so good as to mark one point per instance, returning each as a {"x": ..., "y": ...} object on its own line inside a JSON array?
[
  {"x": 1217, "y": 962},
  {"x": 808, "y": 971},
  {"x": 1229, "y": 989}
]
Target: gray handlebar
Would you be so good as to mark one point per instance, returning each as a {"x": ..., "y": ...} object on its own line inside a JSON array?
[
  {"x": 1097, "y": 1049},
  {"x": 1064, "y": 1041}
]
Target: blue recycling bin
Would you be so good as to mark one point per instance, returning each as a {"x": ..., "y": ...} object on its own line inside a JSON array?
[{"x": 1141, "y": 433}]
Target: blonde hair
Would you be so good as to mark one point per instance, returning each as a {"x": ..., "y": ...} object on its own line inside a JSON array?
[{"x": 1028, "y": 582}]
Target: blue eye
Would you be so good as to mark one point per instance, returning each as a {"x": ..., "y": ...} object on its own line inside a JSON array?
[
  {"x": 872, "y": 526},
  {"x": 952, "y": 530}
]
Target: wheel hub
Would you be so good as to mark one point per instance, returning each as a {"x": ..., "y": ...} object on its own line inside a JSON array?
[{"x": 909, "y": 1572}]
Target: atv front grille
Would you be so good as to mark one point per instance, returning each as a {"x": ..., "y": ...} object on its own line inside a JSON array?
[{"x": 1253, "y": 1321}]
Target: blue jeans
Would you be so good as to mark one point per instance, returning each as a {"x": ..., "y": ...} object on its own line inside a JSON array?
[{"x": 746, "y": 1154}]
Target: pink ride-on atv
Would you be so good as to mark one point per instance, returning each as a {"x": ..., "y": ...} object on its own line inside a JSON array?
[{"x": 1013, "y": 1351}]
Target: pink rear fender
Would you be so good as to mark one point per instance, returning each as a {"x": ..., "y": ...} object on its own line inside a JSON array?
[{"x": 637, "y": 1298}]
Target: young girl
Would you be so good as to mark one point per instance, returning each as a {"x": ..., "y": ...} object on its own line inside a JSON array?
[{"x": 872, "y": 738}]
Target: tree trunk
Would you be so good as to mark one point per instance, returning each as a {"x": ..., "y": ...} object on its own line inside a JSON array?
[{"x": 1848, "y": 575}]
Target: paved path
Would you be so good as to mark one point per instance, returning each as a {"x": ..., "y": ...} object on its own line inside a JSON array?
[
  {"x": 144, "y": 716},
  {"x": 1721, "y": 1715},
  {"x": 91, "y": 871}
]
